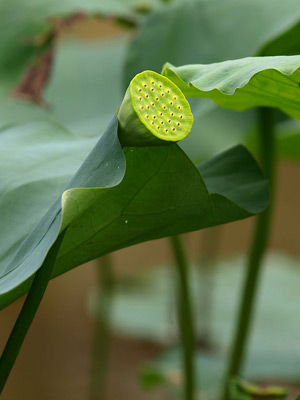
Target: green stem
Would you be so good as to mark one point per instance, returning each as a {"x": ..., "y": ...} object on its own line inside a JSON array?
[
  {"x": 257, "y": 251},
  {"x": 27, "y": 313},
  {"x": 100, "y": 347},
  {"x": 207, "y": 271},
  {"x": 185, "y": 317}
]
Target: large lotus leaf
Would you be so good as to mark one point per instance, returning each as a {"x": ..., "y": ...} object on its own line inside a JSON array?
[
  {"x": 105, "y": 208},
  {"x": 243, "y": 83},
  {"x": 37, "y": 160}
]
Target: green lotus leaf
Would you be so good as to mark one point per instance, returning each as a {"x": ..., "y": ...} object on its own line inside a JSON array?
[
  {"x": 244, "y": 83},
  {"x": 117, "y": 198}
]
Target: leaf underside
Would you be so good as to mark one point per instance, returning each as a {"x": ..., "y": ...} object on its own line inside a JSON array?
[{"x": 244, "y": 83}]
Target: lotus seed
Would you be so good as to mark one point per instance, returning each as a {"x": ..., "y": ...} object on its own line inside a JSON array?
[
  {"x": 152, "y": 89},
  {"x": 181, "y": 116},
  {"x": 152, "y": 104},
  {"x": 173, "y": 129},
  {"x": 140, "y": 90},
  {"x": 169, "y": 121},
  {"x": 158, "y": 127},
  {"x": 162, "y": 122},
  {"x": 171, "y": 102},
  {"x": 168, "y": 91},
  {"x": 174, "y": 97},
  {"x": 142, "y": 107},
  {"x": 153, "y": 82},
  {"x": 147, "y": 116},
  {"x": 145, "y": 85},
  {"x": 164, "y": 107},
  {"x": 172, "y": 114},
  {"x": 178, "y": 123},
  {"x": 154, "y": 116},
  {"x": 160, "y": 86},
  {"x": 148, "y": 107},
  {"x": 160, "y": 113},
  {"x": 156, "y": 98},
  {"x": 147, "y": 95},
  {"x": 140, "y": 98},
  {"x": 179, "y": 107},
  {"x": 166, "y": 130}
]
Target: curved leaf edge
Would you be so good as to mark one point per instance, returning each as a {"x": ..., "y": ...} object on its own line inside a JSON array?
[
  {"x": 170, "y": 71},
  {"x": 14, "y": 292}
]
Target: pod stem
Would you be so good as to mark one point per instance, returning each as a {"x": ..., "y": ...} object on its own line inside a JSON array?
[
  {"x": 28, "y": 312},
  {"x": 185, "y": 317},
  {"x": 102, "y": 332},
  {"x": 257, "y": 251}
]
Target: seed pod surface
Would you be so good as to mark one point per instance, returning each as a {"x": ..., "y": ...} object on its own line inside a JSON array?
[{"x": 154, "y": 111}]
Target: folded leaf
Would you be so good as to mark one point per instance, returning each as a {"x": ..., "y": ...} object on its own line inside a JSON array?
[
  {"x": 244, "y": 83},
  {"x": 105, "y": 207}
]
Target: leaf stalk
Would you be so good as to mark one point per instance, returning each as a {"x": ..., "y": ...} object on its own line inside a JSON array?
[
  {"x": 185, "y": 317},
  {"x": 27, "y": 313},
  {"x": 257, "y": 251},
  {"x": 102, "y": 332}
]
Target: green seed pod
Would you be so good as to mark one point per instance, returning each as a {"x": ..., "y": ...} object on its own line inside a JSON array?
[{"x": 154, "y": 111}]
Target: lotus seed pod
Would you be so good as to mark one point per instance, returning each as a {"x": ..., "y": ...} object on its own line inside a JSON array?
[{"x": 154, "y": 111}]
